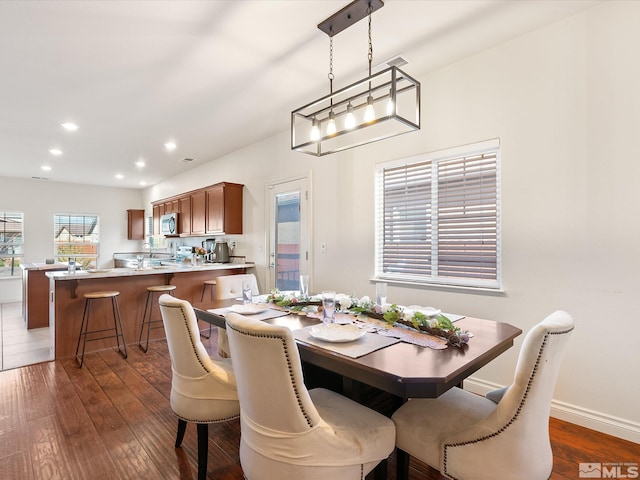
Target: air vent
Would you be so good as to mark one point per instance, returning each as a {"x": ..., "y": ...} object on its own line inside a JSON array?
[
  {"x": 40, "y": 178},
  {"x": 396, "y": 61},
  {"x": 186, "y": 160}
]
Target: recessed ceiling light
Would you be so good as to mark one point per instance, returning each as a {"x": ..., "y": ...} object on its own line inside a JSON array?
[
  {"x": 119, "y": 176},
  {"x": 72, "y": 127},
  {"x": 170, "y": 146},
  {"x": 140, "y": 164},
  {"x": 143, "y": 183},
  {"x": 45, "y": 167},
  {"x": 55, "y": 151}
]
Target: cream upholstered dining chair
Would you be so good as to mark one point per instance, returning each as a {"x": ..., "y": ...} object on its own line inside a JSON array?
[
  {"x": 230, "y": 286},
  {"x": 288, "y": 431},
  {"x": 203, "y": 390},
  {"x": 467, "y": 436}
]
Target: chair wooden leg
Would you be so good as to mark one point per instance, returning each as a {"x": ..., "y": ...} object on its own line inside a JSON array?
[
  {"x": 203, "y": 450},
  {"x": 182, "y": 427},
  {"x": 402, "y": 464},
  {"x": 380, "y": 472}
]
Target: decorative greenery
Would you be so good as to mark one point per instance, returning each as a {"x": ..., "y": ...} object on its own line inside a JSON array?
[
  {"x": 290, "y": 301},
  {"x": 437, "y": 325}
]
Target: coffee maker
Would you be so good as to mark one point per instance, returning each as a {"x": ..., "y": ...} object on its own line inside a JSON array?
[{"x": 208, "y": 246}]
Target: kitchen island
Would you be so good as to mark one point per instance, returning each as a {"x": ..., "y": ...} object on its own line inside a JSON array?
[
  {"x": 67, "y": 299},
  {"x": 35, "y": 288}
]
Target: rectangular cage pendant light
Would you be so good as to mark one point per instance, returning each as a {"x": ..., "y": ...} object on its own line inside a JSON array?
[
  {"x": 382, "y": 105},
  {"x": 395, "y": 97}
]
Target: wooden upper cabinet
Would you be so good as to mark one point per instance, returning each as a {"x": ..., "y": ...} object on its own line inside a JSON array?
[
  {"x": 156, "y": 219},
  {"x": 214, "y": 209},
  {"x": 185, "y": 214},
  {"x": 224, "y": 208},
  {"x": 198, "y": 212},
  {"x": 172, "y": 206},
  {"x": 135, "y": 224}
]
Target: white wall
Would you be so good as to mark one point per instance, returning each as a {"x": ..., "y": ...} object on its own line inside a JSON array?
[
  {"x": 564, "y": 102},
  {"x": 40, "y": 200}
]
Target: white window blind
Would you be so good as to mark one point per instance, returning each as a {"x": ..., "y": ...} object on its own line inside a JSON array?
[
  {"x": 438, "y": 218},
  {"x": 77, "y": 237}
]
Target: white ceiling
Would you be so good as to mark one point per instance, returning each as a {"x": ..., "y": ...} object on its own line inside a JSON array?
[{"x": 211, "y": 75}]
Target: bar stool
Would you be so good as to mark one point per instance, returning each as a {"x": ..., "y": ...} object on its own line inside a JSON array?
[
  {"x": 117, "y": 322},
  {"x": 212, "y": 286},
  {"x": 147, "y": 320}
]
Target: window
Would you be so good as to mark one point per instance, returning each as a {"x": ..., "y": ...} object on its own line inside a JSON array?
[
  {"x": 77, "y": 237},
  {"x": 11, "y": 243},
  {"x": 438, "y": 217}
]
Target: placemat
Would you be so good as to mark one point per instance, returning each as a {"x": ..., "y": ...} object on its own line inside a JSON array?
[
  {"x": 369, "y": 342},
  {"x": 270, "y": 313}
]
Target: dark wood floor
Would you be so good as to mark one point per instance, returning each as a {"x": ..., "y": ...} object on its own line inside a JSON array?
[{"x": 112, "y": 420}]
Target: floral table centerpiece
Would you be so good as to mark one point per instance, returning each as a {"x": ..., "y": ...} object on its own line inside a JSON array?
[{"x": 438, "y": 324}]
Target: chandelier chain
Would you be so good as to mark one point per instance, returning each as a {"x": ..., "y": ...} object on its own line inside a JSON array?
[
  {"x": 330, "y": 64},
  {"x": 370, "y": 53}
]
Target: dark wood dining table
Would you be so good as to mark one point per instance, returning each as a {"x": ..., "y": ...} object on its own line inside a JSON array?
[{"x": 402, "y": 369}]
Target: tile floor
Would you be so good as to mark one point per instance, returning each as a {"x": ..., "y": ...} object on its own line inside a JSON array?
[{"x": 19, "y": 346}]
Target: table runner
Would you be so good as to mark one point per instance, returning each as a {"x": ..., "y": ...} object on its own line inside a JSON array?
[{"x": 369, "y": 342}]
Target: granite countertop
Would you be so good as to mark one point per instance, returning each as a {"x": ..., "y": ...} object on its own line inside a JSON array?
[
  {"x": 129, "y": 272},
  {"x": 43, "y": 266}
]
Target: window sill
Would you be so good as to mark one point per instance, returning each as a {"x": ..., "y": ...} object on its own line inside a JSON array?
[{"x": 499, "y": 292}]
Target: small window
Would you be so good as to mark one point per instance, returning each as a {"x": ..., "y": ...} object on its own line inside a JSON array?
[
  {"x": 438, "y": 218},
  {"x": 77, "y": 237},
  {"x": 11, "y": 243}
]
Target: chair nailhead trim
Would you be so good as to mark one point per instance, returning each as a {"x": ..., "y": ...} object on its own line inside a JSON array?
[
  {"x": 289, "y": 366},
  {"x": 186, "y": 325},
  {"x": 518, "y": 410},
  {"x": 213, "y": 420}
]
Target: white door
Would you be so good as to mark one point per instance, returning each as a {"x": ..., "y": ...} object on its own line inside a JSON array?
[{"x": 289, "y": 237}]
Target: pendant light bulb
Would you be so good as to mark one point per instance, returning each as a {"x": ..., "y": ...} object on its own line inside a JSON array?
[
  {"x": 331, "y": 124},
  {"x": 315, "y": 131},
  {"x": 350, "y": 119},
  {"x": 369, "y": 113},
  {"x": 390, "y": 105}
]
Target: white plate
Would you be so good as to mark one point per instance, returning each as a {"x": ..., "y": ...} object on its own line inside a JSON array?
[
  {"x": 248, "y": 309},
  {"x": 336, "y": 333},
  {"x": 427, "y": 311}
]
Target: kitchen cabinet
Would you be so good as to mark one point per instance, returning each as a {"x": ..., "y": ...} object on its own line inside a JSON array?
[
  {"x": 185, "y": 214},
  {"x": 198, "y": 212},
  {"x": 158, "y": 211},
  {"x": 135, "y": 224},
  {"x": 156, "y": 219},
  {"x": 216, "y": 209},
  {"x": 172, "y": 206},
  {"x": 224, "y": 208}
]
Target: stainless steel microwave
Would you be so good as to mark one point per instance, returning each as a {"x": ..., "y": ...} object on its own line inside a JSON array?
[{"x": 169, "y": 224}]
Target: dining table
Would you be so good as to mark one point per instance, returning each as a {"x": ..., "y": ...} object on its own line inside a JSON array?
[{"x": 402, "y": 369}]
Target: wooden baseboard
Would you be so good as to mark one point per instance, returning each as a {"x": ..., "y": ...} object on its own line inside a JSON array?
[{"x": 598, "y": 421}]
